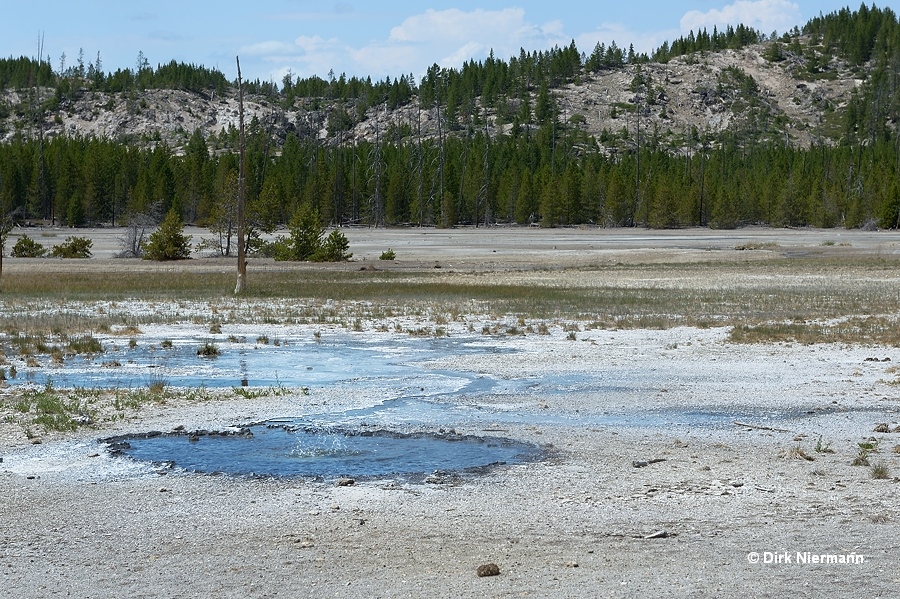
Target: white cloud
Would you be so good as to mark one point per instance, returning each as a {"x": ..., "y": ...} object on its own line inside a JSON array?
[
  {"x": 315, "y": 43},
  {"x": 454, "y": 36},
  {"x": 623, "y": 36},
  {"x": 456, "y": 26},
  {"x": 458, "y": 35},
  {"x": 764, "y": 15},
  {"x": 380, "y": 60},
  {"x": 268, "y": 48},
  {"x": 461, "y": 55}
]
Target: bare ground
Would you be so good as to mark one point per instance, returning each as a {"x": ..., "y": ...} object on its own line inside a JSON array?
[{"x": 76, "y": 522}]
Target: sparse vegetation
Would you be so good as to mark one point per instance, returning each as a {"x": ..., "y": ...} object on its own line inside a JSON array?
[
  {"x": 757, "y": 245},
  {"x": 208, "y": 350},
  {"x": 797, "y": 453},
  {"x": 880, "y": 471},
  {"x": 823, "y": 447},
  {"x": 84, "y": 345},
  {"x": 54, "y": 410},
  {"x": 862, "y": 457}
]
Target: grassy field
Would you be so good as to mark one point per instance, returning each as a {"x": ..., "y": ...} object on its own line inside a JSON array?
[{"x": 808, "y": 300}]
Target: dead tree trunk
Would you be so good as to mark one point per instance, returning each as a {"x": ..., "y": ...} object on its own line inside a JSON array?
[{"x": 241, "y": 253}]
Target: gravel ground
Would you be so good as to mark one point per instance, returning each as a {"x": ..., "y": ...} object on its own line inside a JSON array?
[{"x": 584, "y": 522}]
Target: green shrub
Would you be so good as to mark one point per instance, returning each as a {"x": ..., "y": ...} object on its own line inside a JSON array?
[
  {"x": 334, "y": 249},
  {"x": 305, "y": 241},
  {"x": 208, "y": 350},
  {"x": 168, "y": 242},
  {"x": 28, "y": 248},
  {"x": 388, "y": 255},
  {"x": 73, "y": 247}
]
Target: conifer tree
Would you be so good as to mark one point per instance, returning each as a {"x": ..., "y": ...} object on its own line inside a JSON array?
[{"x": 168, "y": 242}]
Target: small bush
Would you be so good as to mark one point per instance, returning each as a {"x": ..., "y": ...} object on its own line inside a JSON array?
[
  {"x": 168, "y": 242},
  {"x": 861, "y": 459},
  {"x": 157, "y": 384},
  {"x": 880, "y": 471},
  {"x": 28, "y": 248},
  {"x": 334, "y": 248},
  {"x": 208, "y": 350},
  {"x": 388, "y": 254},
  {"x": 73, "y": 247},
  {"x": 307, "y": 241}
]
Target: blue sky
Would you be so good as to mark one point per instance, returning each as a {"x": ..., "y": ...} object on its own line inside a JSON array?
[{"x": 377, "y": 39}]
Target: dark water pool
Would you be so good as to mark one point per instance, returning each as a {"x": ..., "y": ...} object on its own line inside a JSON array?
[{"x": 273, "y": 449}]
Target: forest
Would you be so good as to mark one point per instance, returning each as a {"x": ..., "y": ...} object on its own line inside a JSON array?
[{"x": 545, "y": 171}]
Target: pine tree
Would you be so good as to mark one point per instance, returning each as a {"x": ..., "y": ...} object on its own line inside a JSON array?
[
  {"x": 306, "y": 234},
  {"x": 168, "y": 242},
  {"x": 334, "y": 248}
]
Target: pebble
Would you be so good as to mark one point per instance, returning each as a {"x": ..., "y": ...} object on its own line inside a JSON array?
[{"x": 490, "y": 569}]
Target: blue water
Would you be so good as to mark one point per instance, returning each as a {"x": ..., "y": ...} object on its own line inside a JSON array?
[
  {"x": 402, "y": 431},
  {"x": 298, "y": 363},
  {"x": 275, "y": 450}
]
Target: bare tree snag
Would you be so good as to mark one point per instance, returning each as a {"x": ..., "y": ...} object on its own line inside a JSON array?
[{"x": 241, "y": 257}]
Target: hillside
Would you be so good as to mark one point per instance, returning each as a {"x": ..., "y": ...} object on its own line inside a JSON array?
[{"x": 693, "y": 91}]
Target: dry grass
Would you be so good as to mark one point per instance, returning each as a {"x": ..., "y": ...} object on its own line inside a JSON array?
[
  {"x": 880, "y": 471},
  {"x": 796, "y": 453},
  {"x": 814, "y": 300},
  {"x": 880, "y": 330}
]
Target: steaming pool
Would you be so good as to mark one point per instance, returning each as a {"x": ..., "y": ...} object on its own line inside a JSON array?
[{"x": 407, "y": 428}]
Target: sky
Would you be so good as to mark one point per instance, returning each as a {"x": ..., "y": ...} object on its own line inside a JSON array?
[{"x": 388, "y": 38}]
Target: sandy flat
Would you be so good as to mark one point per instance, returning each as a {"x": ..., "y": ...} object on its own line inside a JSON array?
[{"x": 584, "y": 522}]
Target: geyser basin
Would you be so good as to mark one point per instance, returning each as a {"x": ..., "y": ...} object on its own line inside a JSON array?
[{"x": 272, "y": 449}]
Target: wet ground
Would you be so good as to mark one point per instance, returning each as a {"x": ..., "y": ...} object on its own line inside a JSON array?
[{"x": 406, "y": 425}]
